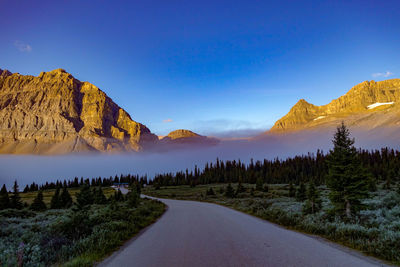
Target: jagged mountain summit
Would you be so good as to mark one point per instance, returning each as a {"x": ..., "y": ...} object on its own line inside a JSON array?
[
  {"x": 56, "y": 113},
  {"x": 367, "y": 106}
]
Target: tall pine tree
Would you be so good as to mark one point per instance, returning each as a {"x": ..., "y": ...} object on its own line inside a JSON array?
[
  {"x": 38, "y": 204},
  {"x": 84, "y": 197},
  {"x": 292, "y": 190},
  {"x": 313, "y": 203},
  {"x": 133, "y": 196},
  {"x": 99, "y": 197},
  {"x": 15, "y": 199},
  {"x": 259, "y": 184},
  {"x": 301, "y": 192},
  {"x": 346, "y": 178},
  {"x": 229, "y": 191},
  {"x": 65, "y": 198},
  {"x": 4, "y": 198},
  {"x": 55, "y": 200}
]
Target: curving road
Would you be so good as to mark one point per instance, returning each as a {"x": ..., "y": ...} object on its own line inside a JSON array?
[{"x": 202, "y": 234}]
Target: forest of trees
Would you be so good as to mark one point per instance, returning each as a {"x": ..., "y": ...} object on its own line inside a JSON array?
[
  {"x": 79, "y": 182},
  {"x": 61, "y": 199},
  {"x": 383, "y": 165}
]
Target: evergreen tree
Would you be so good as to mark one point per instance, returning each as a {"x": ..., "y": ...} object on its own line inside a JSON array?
[
  {"x": 99, "y": 197},
  {"x": 55, "y": 202},
  {"x": 26, "y": 189},
  {"x": 292, "y": 190},
  {"x": 133, "y": 196},
  {"x": 138, "y": 188},
  {"x": 118, "y": 196},
  {"x": 4, "y": 199},
  {"x": 372, "y": 184},
  {"x": 240, "y": 188},
  {"x": 301, "y": 192},
  {"x": 229, "y": 191},
  {"x": 347, "y": 179},
  {"x": 65, "y": 198},
  {"x": 84, "y": 197},
  {"x": 15, "y": 199},
  {"x": 259, "y": 184},
  {"x": 313, "y": 203},
  {"x": 38, "y": 203}
]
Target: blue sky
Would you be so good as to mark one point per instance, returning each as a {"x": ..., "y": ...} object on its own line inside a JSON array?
[{"x": 215, "y": 67}]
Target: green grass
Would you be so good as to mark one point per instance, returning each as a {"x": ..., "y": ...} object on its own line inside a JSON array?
[
  {"x": 375, "y": 232},
  {"x": 48, "y": 194}
]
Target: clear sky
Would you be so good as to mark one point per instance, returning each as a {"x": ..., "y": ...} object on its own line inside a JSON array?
[{"x": 210, "y": 66}]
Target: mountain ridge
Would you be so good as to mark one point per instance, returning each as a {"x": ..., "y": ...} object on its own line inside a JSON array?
[
  {"x": 54, "y": 112},
  {"x": 362, "y": 101}
]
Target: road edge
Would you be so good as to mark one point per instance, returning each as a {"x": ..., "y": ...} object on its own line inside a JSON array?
[{"x": 113, "y": 255}]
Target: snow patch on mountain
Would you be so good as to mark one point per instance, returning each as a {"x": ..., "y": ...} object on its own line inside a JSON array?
[
  {"x": 320, "y": 117},
  {"x": 377, "y": 104}
]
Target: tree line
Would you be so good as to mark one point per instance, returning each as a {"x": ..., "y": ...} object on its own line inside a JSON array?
[
  {"x": 383, "y": 165},
  {"x": 61, "y": 199},
  {"x": 79, "y": 182}
]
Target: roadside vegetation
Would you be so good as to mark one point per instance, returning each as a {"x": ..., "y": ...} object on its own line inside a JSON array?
[
  {"x": 348, "y": 196},
  {"x": 70, "y": 226}
]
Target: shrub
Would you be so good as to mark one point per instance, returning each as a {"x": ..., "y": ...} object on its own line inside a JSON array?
[
  {"x": 229, "y": 191},
  {"x": 210, "y": 192}
]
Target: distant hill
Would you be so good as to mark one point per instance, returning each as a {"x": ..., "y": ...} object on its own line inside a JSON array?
[{"x": 186, "y": 137}]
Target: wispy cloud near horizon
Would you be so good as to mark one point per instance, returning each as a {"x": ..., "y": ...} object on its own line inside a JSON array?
[
  {"x": 22, "y": 47},
  {"x": 382, "y": 74},
  {"x": 167, "y": 121},
  {"x": 230, "y": 128}
]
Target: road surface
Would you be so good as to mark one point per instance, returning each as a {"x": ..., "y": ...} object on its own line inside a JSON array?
[{"x": 202, "y": 234}]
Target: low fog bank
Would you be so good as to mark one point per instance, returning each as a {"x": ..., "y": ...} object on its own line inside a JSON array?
[{"x": 40, "y": 169}]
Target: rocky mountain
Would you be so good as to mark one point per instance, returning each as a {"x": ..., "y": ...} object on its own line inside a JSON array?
[
  {"x": 368, "y": 106},
  {"x": 56, "y": 113},
  {"x": 187, "y": 137}
]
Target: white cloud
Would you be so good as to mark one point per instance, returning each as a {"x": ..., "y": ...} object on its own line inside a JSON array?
[
  {"x": 167, "y": 120},
  {"x": 382, "y": 74},
  {"x": 22, "y": 46}
]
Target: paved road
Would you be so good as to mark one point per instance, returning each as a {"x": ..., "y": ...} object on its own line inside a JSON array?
[{"x": 202, "y": 234}]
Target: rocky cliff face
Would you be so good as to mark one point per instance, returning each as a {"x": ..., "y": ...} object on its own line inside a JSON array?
[
  {"x": 56, "y": 113},
  {"x": 368, "y": 105}
]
